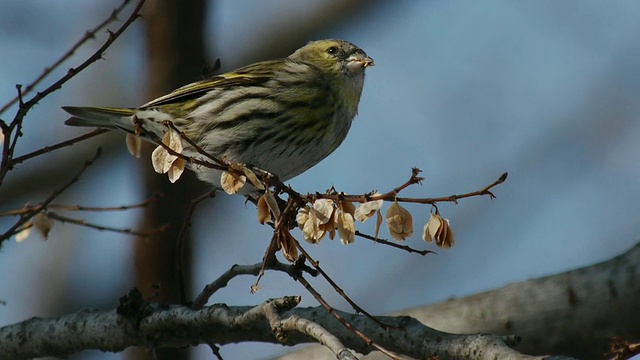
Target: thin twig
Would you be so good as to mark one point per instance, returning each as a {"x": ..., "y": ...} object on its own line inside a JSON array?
[
  {"x": 97, "y": 55},
  {"x": 338, "y": 289},
  {"x": 193, "y": 144},
  {"x": 237, "y": 270},
  {"x": 192, "y": 160},
  {"x": 143, "y": 204},
  {"x": 392, "y": 195},
  {"x": 28, "y": 209},
  {"x": 454, "y": 198},
  {"x": 90, "y": 34},
  {"x": 48, "y": 149},
  {"x": 395, "y": 245},
  {"x": 43, "y": 205},
  {"x": 64, "y": 219},
  {"x": 222, "y": 281},
  {"x": 280, "y": 228},
  {"x": 13, "y": 131},
  {"x": 342, "y": 321}
]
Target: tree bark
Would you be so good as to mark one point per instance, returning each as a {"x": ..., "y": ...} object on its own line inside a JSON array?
[
  {"x": 575, "y": 313},
  {"x": 138, "y": 323}
]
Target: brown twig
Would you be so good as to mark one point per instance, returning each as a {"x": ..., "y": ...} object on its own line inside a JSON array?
[
  {"x": 48, "y": 149},
  {"x": 414, "y": 179},
  {"x": 338, "y": 289},
  {"x": 195, "y": 146},
  {"x": 28, "y": 209},
  {"x": 279, "y": 229},
  {"x": 237, "y": 270},
  {"x": 144, "y": 203},
  {"x": 222, "y": 281},
  {"x": 406, "y": 248},
  {"x": 392, "y": 195},
  {"x": 342, "y": 321},
  {"x": 267, "y": 260},
  {"x": 454, "y": 198},
  {"x": 154, "y": 138},
  {"x": 64, "y": 219}
]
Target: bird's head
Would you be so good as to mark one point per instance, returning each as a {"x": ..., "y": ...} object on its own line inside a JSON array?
[{"x": 334, "y": 56}]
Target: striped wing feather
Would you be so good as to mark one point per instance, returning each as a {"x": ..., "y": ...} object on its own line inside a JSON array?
[{"x": 246, "y": 76}]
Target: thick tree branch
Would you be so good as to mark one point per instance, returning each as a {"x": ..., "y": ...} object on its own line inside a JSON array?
[
  {"x": 155, "y": 326},
  {"x": 578, "y": 312}
]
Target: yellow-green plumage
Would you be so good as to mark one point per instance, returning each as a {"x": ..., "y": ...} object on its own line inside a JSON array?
[{"x": 282, "y": 115}]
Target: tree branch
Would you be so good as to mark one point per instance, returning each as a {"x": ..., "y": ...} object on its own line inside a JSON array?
[{"x": 139, "y": 323}]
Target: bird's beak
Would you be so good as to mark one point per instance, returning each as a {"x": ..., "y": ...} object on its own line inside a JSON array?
[{"x": 358, "y": 61}]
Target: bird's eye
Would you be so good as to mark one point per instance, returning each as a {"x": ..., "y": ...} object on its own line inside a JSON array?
[{"x": 332, "y": 50}]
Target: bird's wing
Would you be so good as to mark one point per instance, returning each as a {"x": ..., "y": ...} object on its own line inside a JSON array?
[{"x": 249, "y": 75}]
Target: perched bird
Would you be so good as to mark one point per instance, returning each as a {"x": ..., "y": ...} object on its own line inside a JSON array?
[{"x": 283, "y": 116}]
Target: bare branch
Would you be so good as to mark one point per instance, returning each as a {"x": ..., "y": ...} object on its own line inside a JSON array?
[
  {"x": 13, "y": 131},
  {"x": 90, "y": 34},
  {"x": 237, "y": 270},
  {"x": 43, "y": 205},
  {"x": 406, "y": 248},
  {"x": 28, "y": 209},
  {"x": 348, "y": 325},
  {"x": 222, "y": 281},
  {"x": 142, "y": 234},
  {"x": 316, "y": 331},
  {"x": 152, "y": 325},
  {"x": 60, "y": 145}
]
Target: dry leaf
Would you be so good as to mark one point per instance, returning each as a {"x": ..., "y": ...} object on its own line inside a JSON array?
[
  {"x": 161, "y": 160},
  {"x": 134, "y": 145},
  {"x": 24, "y": 233},
  {"x": 232, "y": 183},
  {"x": 249, "y": 175},
  {"x": 264, "y": 214},
  {"x": 164, "y": 162},
  {"x": 176, "y": 170},
  {"x": 330, "y": 226},
  {"x": 368, "y": 209},
  {"x": 273, "y": 204},
  {"x": 311, "y": 230},
  {"x": 399, "y": 222},
  {"x": 447, "y": 240},
  {"x": 346, "y": 227},
  {"x": 43, "y": 224},
  {"x": 317, "y": 220},
  {"x": 253, "y": 179},
  {"x": 303, "y": 216},
  {"x": 347, "y": 207},
  {"x": 430, "y": 228},
  {"x": 378, "y": 224},
  {"x": 437, "y": 229},
  {"x": 324, "y": 209},
  {"x": 172, "y": 139},
  {"x": 288, "y": 245}
]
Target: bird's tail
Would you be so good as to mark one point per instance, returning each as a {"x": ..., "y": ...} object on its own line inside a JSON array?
[{"x": 103, "y": 117}]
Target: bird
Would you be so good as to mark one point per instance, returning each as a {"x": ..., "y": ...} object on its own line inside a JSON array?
[{"x": 282, "y": 116}]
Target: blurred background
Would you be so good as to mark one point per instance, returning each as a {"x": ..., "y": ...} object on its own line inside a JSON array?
[{"x": 547, "y": 91}]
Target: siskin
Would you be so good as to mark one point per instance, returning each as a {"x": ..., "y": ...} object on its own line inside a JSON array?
[{"x": 283, "y": 116}]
